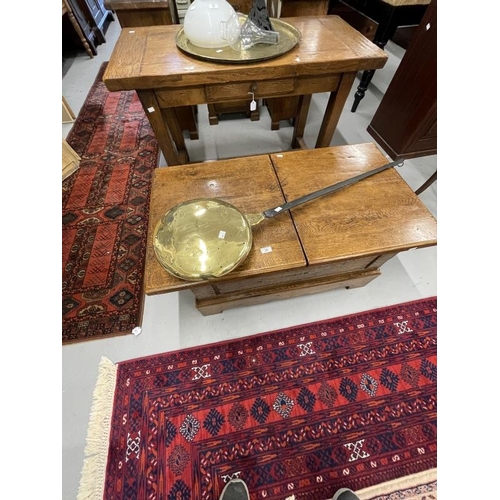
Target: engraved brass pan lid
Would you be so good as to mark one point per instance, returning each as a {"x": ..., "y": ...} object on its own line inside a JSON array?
[
  {"x": 207, "y": 238},
  {"x": 202, "y": 239}
]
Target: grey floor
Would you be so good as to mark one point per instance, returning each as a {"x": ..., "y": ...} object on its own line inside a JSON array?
[{"x": 171, "y": 321}]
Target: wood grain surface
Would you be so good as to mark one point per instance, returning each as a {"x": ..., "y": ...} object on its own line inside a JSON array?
[
  {"x": 339, "y": 240},
  {"x": 148, "y": 58}
]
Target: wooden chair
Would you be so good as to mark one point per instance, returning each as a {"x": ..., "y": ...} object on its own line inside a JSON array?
[{"x": 66, "y": 9}]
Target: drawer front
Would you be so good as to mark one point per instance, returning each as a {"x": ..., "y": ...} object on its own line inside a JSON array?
[
  {"x": 220, "y": 92},
  {"x": 184, "y": 96},
  {"x": 290, "y": 277},
  {"x": 236, "y": 91}
]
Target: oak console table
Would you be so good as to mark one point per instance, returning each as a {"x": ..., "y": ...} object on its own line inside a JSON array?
[
  {"x": 327, "y": 59},
  {"x": 339, "y": 240}
]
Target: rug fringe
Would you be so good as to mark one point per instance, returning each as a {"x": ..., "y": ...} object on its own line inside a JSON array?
[
  {"x": 388, "y": 489},
  {"x": 385, "y": 489},
  {"x": 96, "y": 448}
]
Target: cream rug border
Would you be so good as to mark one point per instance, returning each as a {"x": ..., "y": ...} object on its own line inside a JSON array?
[
  {"x": 420, "y": 486},
  {"x": 96, "y": 448}
]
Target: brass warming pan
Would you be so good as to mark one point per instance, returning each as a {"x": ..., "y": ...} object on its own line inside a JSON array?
[{"x": 207, "y": 238}]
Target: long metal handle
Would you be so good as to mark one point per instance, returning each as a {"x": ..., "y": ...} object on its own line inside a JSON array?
[{"x": 272, "y": 212}]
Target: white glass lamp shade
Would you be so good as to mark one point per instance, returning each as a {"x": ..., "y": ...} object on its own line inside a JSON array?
[{"x": 203, "y": 21}]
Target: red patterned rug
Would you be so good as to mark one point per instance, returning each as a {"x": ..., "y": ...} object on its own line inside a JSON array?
[
  {"x": 347, "y": 402},
  {"x": 105, "y": 216}
]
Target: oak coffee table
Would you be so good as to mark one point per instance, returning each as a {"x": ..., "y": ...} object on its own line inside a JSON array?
[{"x": 338, "y": 240}]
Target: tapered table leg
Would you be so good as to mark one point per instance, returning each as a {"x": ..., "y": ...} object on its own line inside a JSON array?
[
  {"x": 160, "y": 126},
  {"x": 334, "y": 110},
  {"x": 300, "y": 122}
]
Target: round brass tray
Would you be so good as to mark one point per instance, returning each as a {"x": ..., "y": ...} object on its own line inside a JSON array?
[{"x": 289, "y": 37}]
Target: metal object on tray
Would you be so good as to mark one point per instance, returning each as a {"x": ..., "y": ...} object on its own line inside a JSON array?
[
  {"x": 289, "y": 36},
  {"x": 207, "y": 238}
]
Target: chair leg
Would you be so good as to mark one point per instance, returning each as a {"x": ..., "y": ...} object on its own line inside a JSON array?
[
  {"x": 362, "y": 88},
  {"x": 388, "y": 24},
  {"x": 427, "y": 183}
]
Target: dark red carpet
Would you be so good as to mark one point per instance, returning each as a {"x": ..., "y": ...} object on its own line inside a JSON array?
[
  {"x": 105, "y": 216},
  {"x": 347, "y": 402}
]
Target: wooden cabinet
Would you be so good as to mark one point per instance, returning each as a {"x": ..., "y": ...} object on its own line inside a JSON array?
[
  {"x": 90, "y": 16},
  {"x": 134, "y": 13},
  {"x": 354, "y": 18},
  {"x": 294, "y": 8},
  {"x": 405, "y": 123}
]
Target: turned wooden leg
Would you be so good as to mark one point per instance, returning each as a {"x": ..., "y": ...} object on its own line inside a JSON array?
[
  {"x": 389, "y": 17},
  {"x": 362, "y": 88},
  {"x": 91, "y": 51},
  {"x": 388, "y": 23},
  {"x": 366, "y": 78}
]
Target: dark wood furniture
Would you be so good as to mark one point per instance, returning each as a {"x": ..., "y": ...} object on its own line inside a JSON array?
[
  {"x": 389, "y": 15},
  {"x": 220, "y": 110},
  {"x": 66, "y": 10},
  {"x": 143, "y": 12},
  {"x": 405, "y": 123},
  {"x": 296, "y": 8},
  {"x": 356, "y": 19},
  {"x": 326, "y": 60},
  {"x": 136, "y": 13},
  {"x": 339, "y": 240},
  {"x": 281, "y": 109},
  {"x": 88, "y": 18}
]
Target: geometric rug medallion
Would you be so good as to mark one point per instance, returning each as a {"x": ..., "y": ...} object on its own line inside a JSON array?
[
  {"x": 105, "y": 216},
  {"x": 346, "y": 402}
]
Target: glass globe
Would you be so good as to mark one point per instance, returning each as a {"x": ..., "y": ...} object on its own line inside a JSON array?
[{"x": 203, "y": 20}]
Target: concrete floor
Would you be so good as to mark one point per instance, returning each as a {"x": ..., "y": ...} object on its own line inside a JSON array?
[{"x": 171, "y": 321}]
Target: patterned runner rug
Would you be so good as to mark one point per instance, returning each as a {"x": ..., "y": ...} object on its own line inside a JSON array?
[
  {"x": 105, "y": 216},
  {"x": 347, "y": 402}
]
